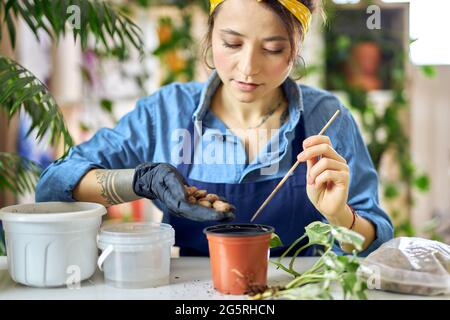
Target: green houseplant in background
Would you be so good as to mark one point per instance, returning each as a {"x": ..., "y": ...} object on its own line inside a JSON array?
[
  {"x": 21, "y": 91},
  {"x": 177, "y": 50},
  {"x": 383, "y": 128}
]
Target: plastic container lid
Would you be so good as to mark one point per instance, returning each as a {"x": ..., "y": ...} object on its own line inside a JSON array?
[
  {"x": 44, "y": 212},
  {"x": 135, "y": 234}
]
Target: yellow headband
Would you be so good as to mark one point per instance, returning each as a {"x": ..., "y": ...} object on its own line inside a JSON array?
[{"x": 298, "y": 9}]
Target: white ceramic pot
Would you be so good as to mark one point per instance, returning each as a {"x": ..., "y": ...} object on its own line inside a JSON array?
[{"x": 51, "y": 244}]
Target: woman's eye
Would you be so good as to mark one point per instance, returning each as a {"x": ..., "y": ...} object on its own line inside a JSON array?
[
  {"x": 231, "y": 45},
  {"x": 236, "y": 45},
  {"x": 278, "y": 51}
]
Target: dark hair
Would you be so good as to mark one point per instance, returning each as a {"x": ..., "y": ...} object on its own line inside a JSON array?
[{"x": 292, "y": 25}]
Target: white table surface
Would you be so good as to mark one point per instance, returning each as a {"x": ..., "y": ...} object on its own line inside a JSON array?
[{"x": 190, "y": 279}]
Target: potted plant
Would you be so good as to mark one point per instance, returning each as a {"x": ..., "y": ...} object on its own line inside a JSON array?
[
  {"x": 22, "y": 91},
  {"x": 363, "y": 67},
  {"x": 329, "y": 272}
]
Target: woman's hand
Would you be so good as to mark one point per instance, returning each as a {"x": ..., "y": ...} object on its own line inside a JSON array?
[
  {"x": 327, "y": 179},
  {"x": 163, "y": 181}
]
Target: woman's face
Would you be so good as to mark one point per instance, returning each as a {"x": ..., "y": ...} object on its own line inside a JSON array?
[{"x": 251, "y": 49}]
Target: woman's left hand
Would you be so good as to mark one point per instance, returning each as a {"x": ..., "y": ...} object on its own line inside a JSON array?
[{"x": 327, "y": 179}]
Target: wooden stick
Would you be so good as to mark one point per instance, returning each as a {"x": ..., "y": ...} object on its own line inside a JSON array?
[{"x": 290, "y": 171}]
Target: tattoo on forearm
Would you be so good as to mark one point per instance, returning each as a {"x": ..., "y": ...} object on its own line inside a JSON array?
[{"x": 116, "y": 185}]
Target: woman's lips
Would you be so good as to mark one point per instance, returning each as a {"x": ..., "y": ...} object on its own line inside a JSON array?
[{"x": 245, "y": 86}]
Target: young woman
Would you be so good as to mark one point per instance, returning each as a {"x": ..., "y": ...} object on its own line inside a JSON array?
[{"x": 210, "y": 135}]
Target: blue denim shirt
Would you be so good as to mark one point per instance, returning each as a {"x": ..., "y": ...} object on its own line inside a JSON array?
[{"x": 155, "y": 132}]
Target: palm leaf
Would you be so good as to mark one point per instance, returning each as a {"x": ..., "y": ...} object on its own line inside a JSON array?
[
  {"x": 2, "y": 246},
  {"x": 21, "y": 89},
  {"x": 17, "y": 174},
  {"x": 108, "y": 25}
]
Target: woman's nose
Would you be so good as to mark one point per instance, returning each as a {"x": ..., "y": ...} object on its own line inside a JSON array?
[{"x": 249, "y": 64}]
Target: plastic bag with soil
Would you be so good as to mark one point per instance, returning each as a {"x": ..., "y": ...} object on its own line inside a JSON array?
[{"x": 409, "y": 265}]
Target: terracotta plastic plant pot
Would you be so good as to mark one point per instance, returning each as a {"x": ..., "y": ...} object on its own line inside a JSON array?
[{"x": 239, "y": 256}]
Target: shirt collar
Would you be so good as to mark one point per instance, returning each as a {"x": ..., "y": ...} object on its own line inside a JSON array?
[{"x": 291, "y": 90}]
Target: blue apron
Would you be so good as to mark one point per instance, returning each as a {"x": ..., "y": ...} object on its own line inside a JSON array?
[{"x": 288, "y": 212}]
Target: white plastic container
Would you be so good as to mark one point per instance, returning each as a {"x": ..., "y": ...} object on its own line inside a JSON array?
[
  {"x": 51, "y": 244},
  {"x": 136, "y": 255}
]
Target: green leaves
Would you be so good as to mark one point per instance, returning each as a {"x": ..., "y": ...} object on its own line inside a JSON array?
[
  {"x": 346, "y": 236},
  {"x": 346, "y": 268},
  {"x": 107, "y": 106},
  {"x": 2, "y": 245},
  {"x": 428, "y": 71},
  {"x": 177, "y": 49},
  {"x": 318, "y": 233},
  {"x": 422, "y": 182},
  {"x": 110, "y": 27},
  {"x": 311, "y": 291},
  {"x": 21, "y": 89},
  {"x": 17, "y": 174},
  {"x": 275, "y": 241},
  {"x": 391, "y": 191},
  {"x": 329, "y": 269}
]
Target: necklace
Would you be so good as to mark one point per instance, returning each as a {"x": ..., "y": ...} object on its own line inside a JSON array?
[{"x": 268, "y": 115}]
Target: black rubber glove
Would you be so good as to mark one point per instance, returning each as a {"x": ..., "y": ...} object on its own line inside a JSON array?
[{"x": 163, "y": 181}]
